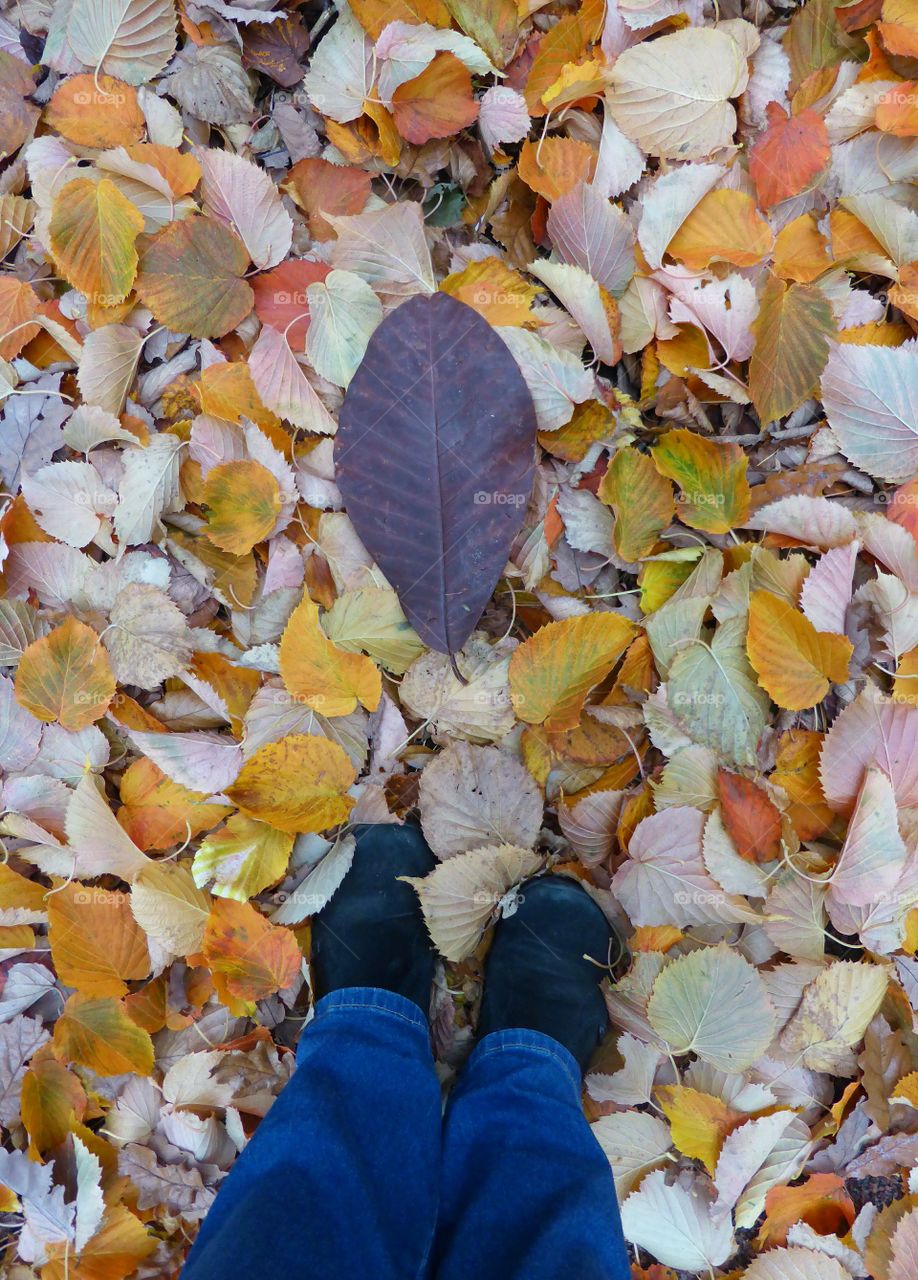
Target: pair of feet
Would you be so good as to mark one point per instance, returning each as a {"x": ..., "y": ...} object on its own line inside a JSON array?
[{"x": 543, "y": 969}]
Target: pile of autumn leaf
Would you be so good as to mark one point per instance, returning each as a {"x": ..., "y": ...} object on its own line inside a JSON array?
[{"x": 694, "y": 686}]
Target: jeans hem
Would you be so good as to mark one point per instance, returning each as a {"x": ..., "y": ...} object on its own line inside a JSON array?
[
  {"x": 533, "y": 1042},
  {"x": 372, "y": 1000}
]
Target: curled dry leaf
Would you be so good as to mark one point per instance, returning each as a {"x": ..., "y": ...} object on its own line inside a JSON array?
[{"x": 460, "y": 896}]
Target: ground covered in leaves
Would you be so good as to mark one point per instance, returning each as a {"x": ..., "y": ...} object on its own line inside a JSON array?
[{"x": 692, "y": 228}]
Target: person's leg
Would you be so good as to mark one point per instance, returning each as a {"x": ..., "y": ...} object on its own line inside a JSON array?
[
  {"x": 342, "y": 1176},
  {"x": 527, "y": 1190}
]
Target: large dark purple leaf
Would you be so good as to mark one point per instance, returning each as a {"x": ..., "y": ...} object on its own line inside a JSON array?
[{"x": 434, "y": 457}]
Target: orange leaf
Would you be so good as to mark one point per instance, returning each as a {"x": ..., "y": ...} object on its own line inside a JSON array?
[
  {"x": 790, "y": 155},
  {"x": 243, "y": 500},
  {"x": 114, "y": 1252},
  {"x": 227, "y": 391},
  {"x": 281, "y": 299},
  {"x": 158, "y": 813},
  {"x": 801, "y": 250},
  {"x": 752, "y": 820},
  {"x": 897, "y": 110},
  {"x": 318, "y": 673},
  {"x": 641, "y": 499},
  {"x": 821, "y": 1201},
  {"x": 96, "y": 111},
  {"x": 374, "y": 15},
  {"x": 97, "y": 1033},
  {"x": 900, "y": 28},
  {"x": 795, "y": 663},
  {"x": 566, "y": 42},
  {"x": 437, "y": 103},
  {"x": 297, "y": 784},
  {"x": 96, "y": 944},
  {"x": 18, "y": 304},
  {"x": 250, "y": 957},
  {"x": 724, "y": 226},
  {"x": 555, "y": 165},
  {"x": 320, "y": 187},
  {"x": 180, "y": 168},
  {"x": 797, "y": 773},
  {"x": 65, "y": 676}
]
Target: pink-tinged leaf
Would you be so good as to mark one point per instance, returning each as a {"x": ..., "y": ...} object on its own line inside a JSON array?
[
  {"x": 892, "y": 545},
  {"x": 503, "y": 116},
  {"x": 590, "y": 825},
  {"x": 204, "y": 761},
  {"x": 69, "y": 501},
  {"x": 813, "y": 522},
  {"x": 242, "y": 196},
  {"x": 20, "y": 731},
  {"x": 587, "y": 231},
  {"x": 870, "y": 396},
  {"x": 826, "y": 593},
  {"x": 284, "y": 387},
  {"x": 874, "y": 853},
  {"x": 872, "y": 730},
  {"x": 56, "y": 573},
  {"x": 665, "y": 881},
  {"x": 439, "y": 410}
]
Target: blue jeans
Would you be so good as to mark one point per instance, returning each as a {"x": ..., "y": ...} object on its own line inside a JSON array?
[{"x": 354, "y": 1173}]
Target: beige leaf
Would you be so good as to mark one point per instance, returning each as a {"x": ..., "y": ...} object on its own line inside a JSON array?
[
  {"x": 634, "y": 1143},
  {"x": 833, "y": 1016},
  {"x": 148, "y": 639},
  {"x": 473, "y": 796},
  {"x": 170, "y": 908},
  {"x": 459, "y": 897}
]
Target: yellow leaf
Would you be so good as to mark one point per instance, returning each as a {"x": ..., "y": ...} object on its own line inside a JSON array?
[
  {"x": 297, "y": 784},
  {"x": 53, "y": 1101},
  {"x": 242, "y": 858},
  {"x": 18, "y": 892},
  {"x": 552, "y": 672},
  {"x": 641, "y": 499},
  {"x": 699, "y": 1122},
  {"x": 97, "y": 1033},
  {"x": 795, "y": 663},
  {"x": 712, "y": 477},
  {"x": 724, "y": 226},
  {"x": 227, "y": 391},
  {"x": 250, "y": 957},
  {"x": 494, "y": 290},
  {"x": 96, "y": 943},
  {"x": 65, "y": 676},
  {"x": 93, "y": 232},
  {"x": 243, "y": 500},
  {"x": 318, "y": 673}
]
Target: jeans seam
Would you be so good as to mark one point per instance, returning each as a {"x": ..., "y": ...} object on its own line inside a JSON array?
[
  {"x": 537, "y": 1048},
  {"x": 376, "y": 1008}
]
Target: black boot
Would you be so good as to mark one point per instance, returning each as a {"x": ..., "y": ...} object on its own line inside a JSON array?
[
  {"x": 537, "y": 976},
  {"x": 372, "y": 933}
]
